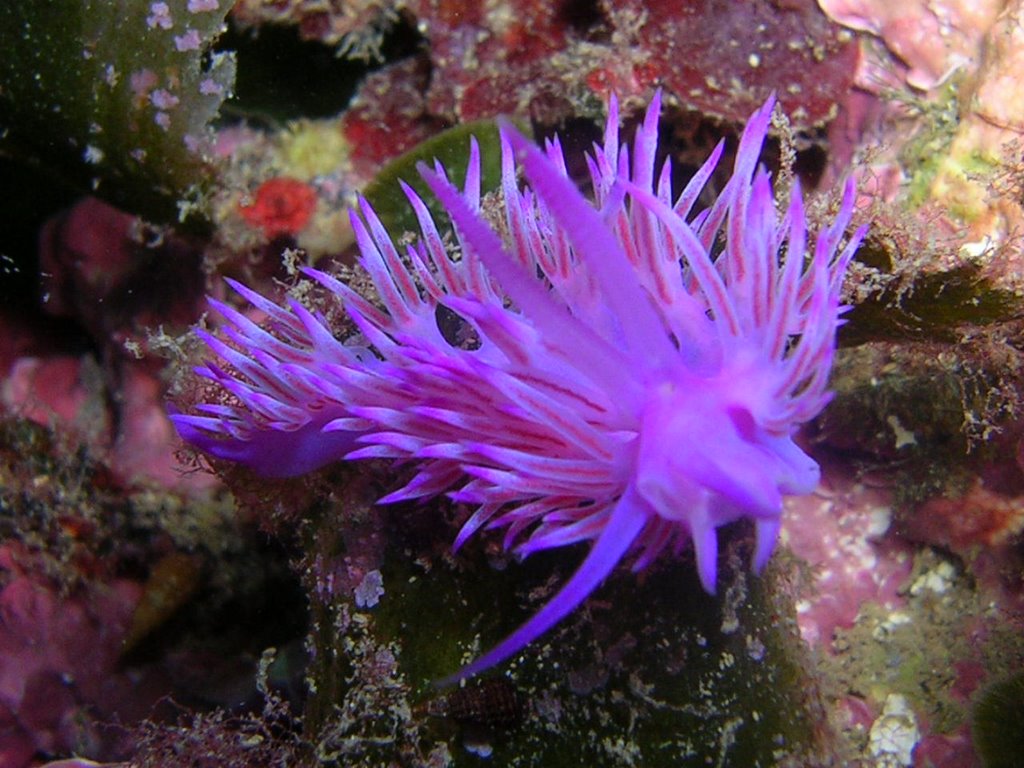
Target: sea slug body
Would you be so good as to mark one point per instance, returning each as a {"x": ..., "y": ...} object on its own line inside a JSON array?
[{"x": 640, "y": 372}]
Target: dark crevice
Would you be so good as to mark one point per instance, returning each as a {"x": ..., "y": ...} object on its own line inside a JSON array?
[
  {"x": 282, "y": 76},
  {"x": 585, "y": 18}
]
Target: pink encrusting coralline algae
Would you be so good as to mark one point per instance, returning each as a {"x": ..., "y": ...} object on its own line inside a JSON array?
[{"x": 637, "y": 376}]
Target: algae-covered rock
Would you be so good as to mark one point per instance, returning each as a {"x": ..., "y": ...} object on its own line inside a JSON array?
[
  {"x": 907, "y": 288},
  {"x": 116, "y": 96},
  {"x": 938, "y": 411},
  {"x": 894, "y": 401},
  {"x": 650, "y": 671}
]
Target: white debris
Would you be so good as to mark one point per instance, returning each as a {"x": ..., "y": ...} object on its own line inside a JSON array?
[
  {"x": 93, "y": 155},
  {"x": 904, "y": 436},
  {"x": 370, "y": 589},
  {"x": 937, "y": 580},
  {"x": 878, "y": 522},
  {"x": 888, "y": 626},
  {"x": 894, "y": 734}
]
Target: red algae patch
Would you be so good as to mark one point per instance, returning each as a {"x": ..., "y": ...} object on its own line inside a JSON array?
[{"x": 282, "y": 206}]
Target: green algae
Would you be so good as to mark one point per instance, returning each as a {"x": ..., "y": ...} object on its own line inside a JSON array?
[
  {"x": 929, "y": 306},
  {"x": 649, "y": 671},
  {"x": 451, "y": 148},
  {"x": 924, "y": 154},
  {"x": 115, "y": 98}
]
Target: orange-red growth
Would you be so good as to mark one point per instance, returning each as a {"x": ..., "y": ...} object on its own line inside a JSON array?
[{"x": 283, "y": 206}]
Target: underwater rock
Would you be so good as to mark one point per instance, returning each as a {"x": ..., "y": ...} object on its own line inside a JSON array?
[
  {"x": 104, "y": 277},
  {"x": 58, "y": 662},
  {"x": 355, "y": 28},
  {"x": 388, "y": 115},
  {"x": 706, "y": 57},
  {"x": 549, "y": 63},
  {"x": 651, "y": 674},
  {"x": 931, "y": 40},
  {"x": 724, "y": 59},
  {"x": 116, "y": 97}
]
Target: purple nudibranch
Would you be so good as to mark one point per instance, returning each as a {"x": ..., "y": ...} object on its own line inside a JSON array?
[{"x": 640, "y": 374}]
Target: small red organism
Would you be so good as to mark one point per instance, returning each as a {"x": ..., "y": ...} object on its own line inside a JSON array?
[{"x": 283, "y": 206}]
